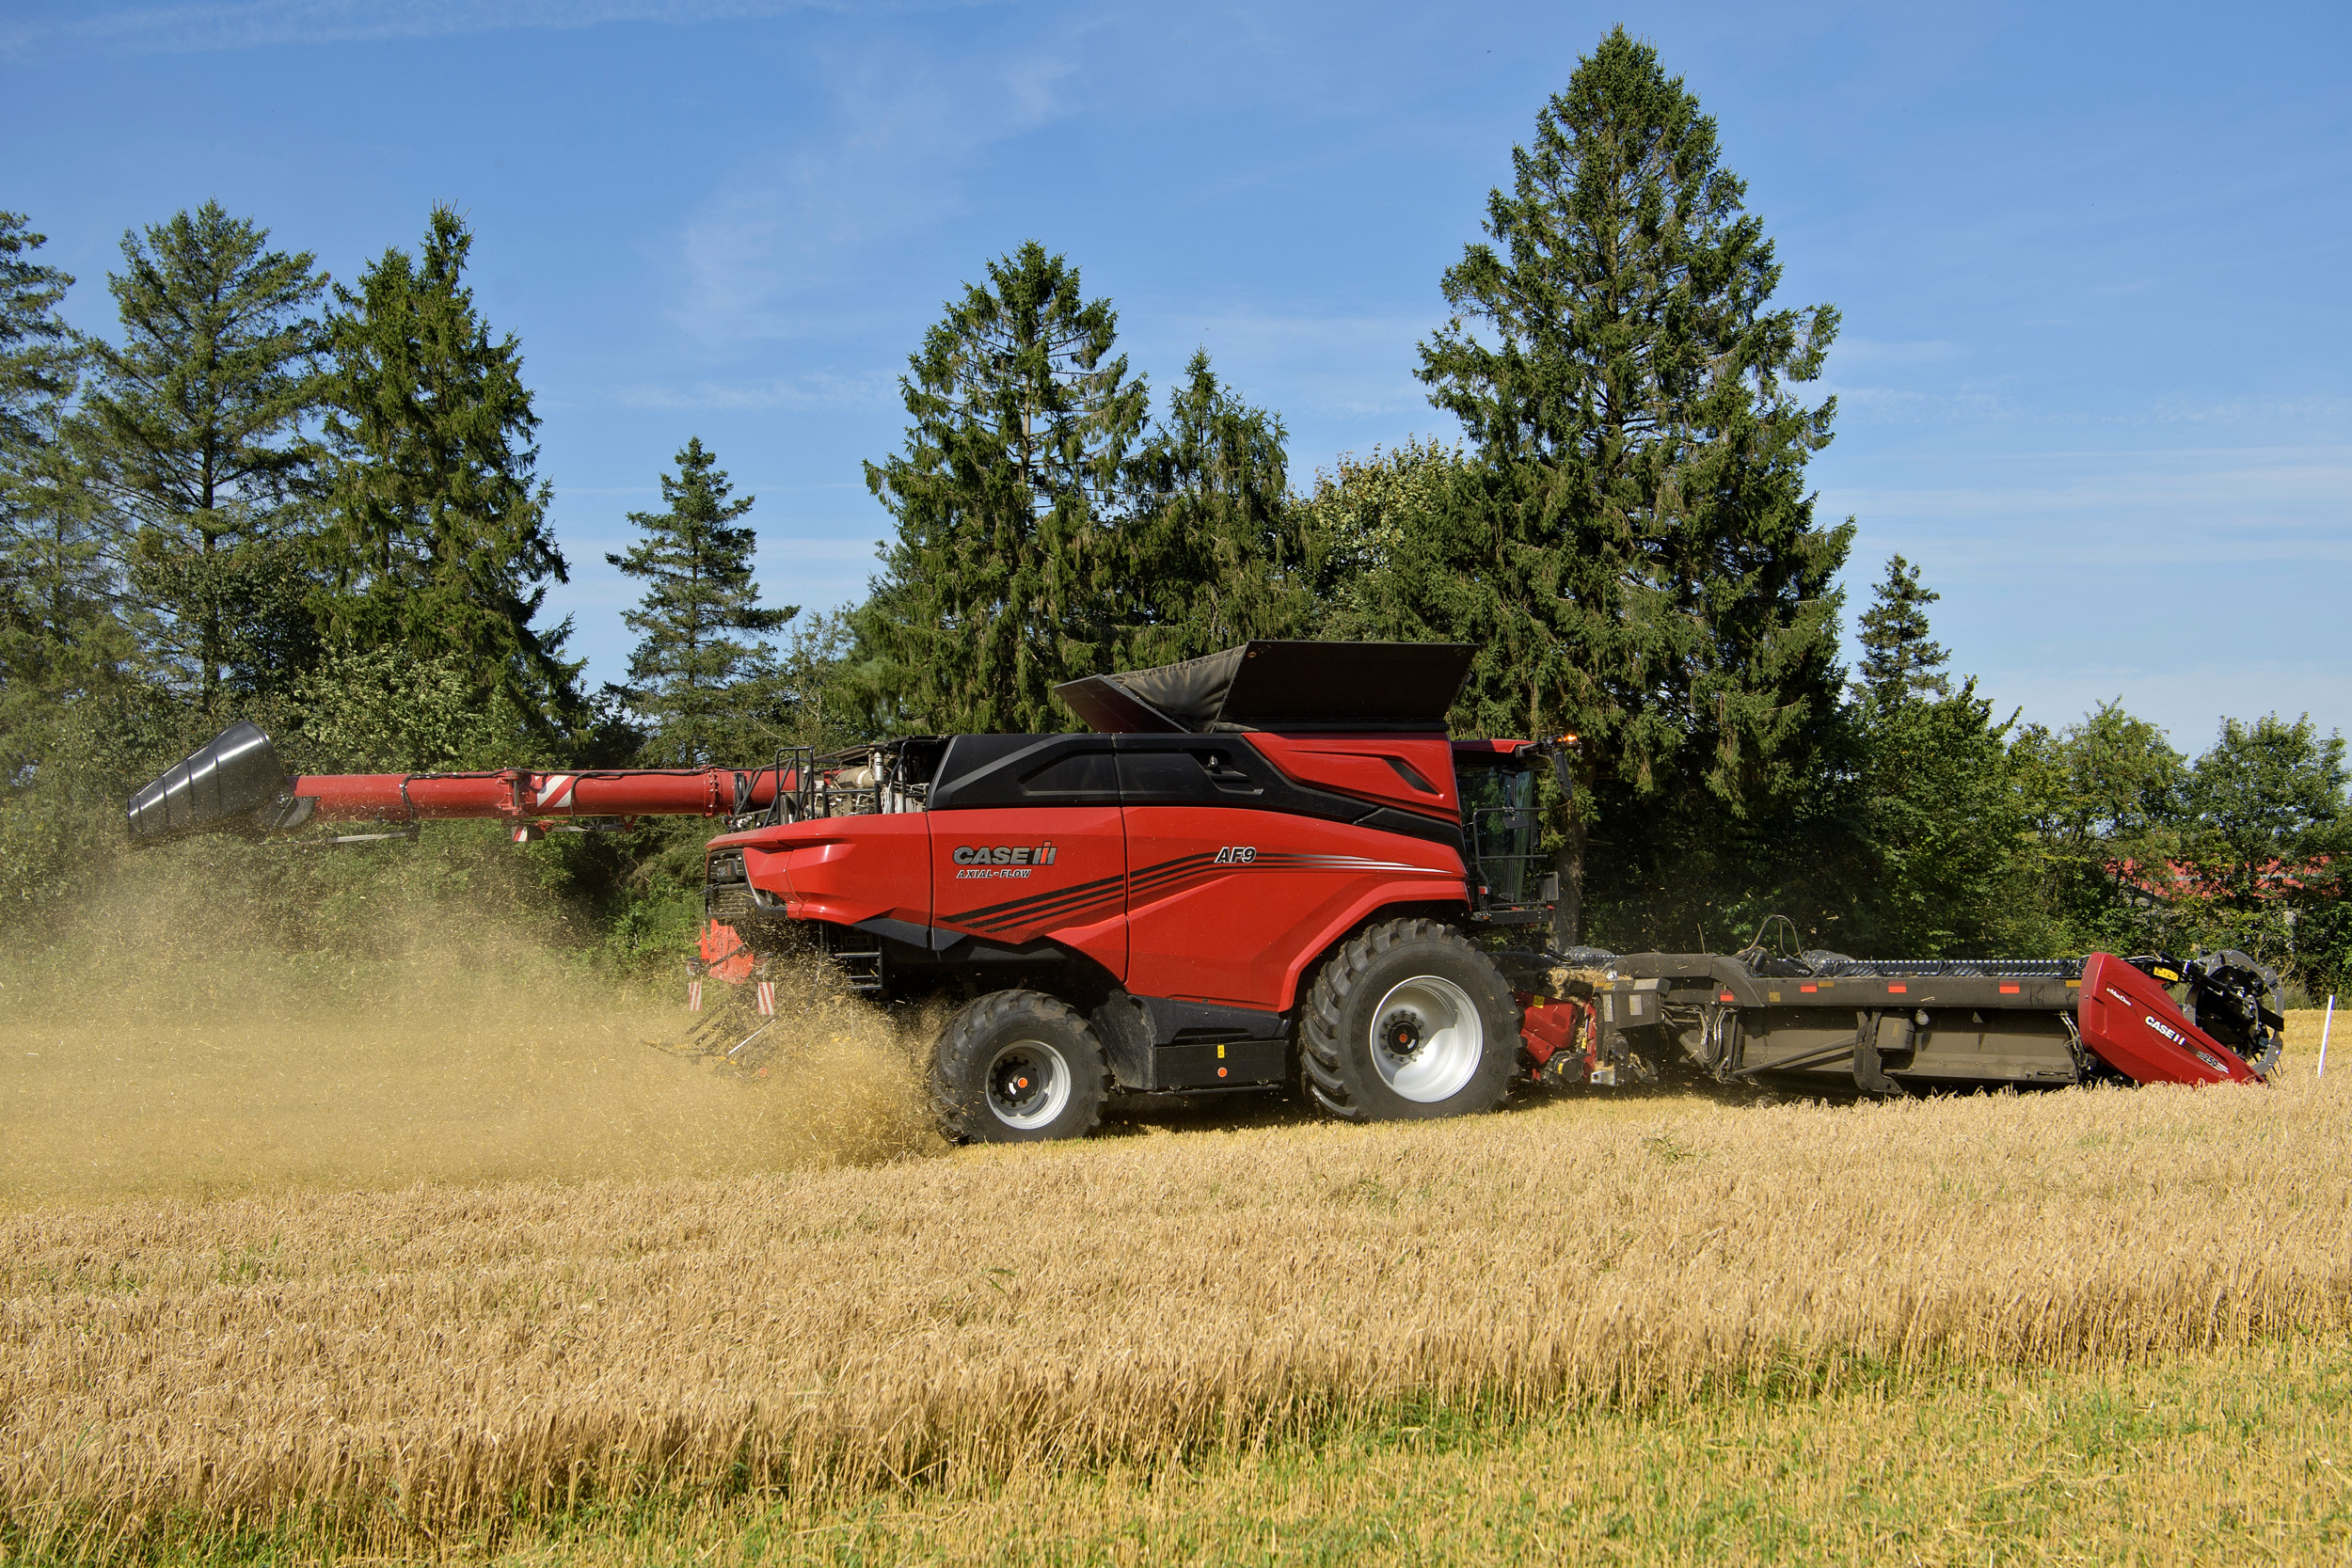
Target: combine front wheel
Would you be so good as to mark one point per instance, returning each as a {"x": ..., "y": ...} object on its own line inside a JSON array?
[
  {"x": 1408, "y": 1021},
  {"x": 1018, "y": 1067}
]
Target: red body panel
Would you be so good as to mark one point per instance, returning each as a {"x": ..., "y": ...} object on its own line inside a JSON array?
[
  {"x": 1077, "y": 898},
  {"x": 845, "y": 869},
  {"x": 1230, "y": 906},
  {"x": 2129, "y": 1022},
  {"x": 1411, "y": 772}
]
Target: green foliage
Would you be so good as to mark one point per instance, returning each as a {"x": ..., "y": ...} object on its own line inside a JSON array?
[
  {"x": 1006, "y": 571},
  {"x": 1641, "y": 564},
  {"x": 2270, "y": 839},
  {"x": 1216, "y": 554},
  {"x": 439, "y": 534},
  {"x": 1944, "y": 830},
  {"x": 60, "y": 638},
  {"x": 687, "y": 671},
  {"x": 1898, "y": 659},
  {"x": 40, "y": 358},
  {"x": 191, "y": 431},
  {"x": 2103, "y": 804},
  {"x": 382, "y": 710},
  {"x": 1383, "y": 533}
]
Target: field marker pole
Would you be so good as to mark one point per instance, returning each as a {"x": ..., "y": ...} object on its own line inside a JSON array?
[{"x": 2325, "y": 1024}]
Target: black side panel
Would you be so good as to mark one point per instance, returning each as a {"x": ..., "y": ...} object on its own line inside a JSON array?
[
  {"x": 1173, "y": 1021},
  {"x": 1220, "y": 1064},
  {"x": 216, "y": 789},
  {"x": 1226, "y": 770},
  {"x": 1026, "y": 770},
  {"x": 1155, "y": 1044},
  {"x": 1149, "y": 770}
]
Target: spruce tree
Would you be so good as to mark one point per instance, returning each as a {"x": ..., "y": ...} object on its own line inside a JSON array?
[
  {"x": 1215, "y": 553},
  {"x": 699, "y": 605},
  {"x": 1898, "y": 659},
  {"x": 38, "y": 354},
  {"x": 439, "y": 526},
  {"x": 60, "y": 637},
  {"x": 1944, "y": 809},
  {"x": 192, "y": 431},
  {"x": 1003, "y": 578},
  {"x": 1653, "y": 577}
]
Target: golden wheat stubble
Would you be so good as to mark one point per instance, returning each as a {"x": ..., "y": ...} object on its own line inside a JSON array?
[{"x": 466, "y": 1352}]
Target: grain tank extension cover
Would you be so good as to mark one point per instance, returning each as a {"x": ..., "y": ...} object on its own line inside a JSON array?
[{"x": 1279, "y": 685}]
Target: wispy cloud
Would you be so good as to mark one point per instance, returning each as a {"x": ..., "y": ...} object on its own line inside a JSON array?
[
  {"x": 231, "y": 24},
  {"x": 788, "y": 230},
  {"x": 2284, "y": 506},
  {"x": 798, "y": 394}
]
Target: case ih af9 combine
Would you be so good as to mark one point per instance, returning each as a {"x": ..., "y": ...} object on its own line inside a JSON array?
[{"x": 1267, "y": 867}]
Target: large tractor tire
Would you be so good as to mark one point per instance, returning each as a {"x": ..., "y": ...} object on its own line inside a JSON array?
[
  {"x": 1018, "y": 1067},
  {"x": 1408, "y": 1021}
]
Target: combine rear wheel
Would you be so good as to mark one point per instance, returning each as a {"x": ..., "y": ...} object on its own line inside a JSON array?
[
  {"x": 1408, "y": 1021},
  {"x": 1018, "y": 1067}
]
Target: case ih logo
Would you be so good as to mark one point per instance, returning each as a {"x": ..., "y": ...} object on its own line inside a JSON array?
[
  {"x": 1002, "y": 854},
  {"x": 999, "y": 861}
]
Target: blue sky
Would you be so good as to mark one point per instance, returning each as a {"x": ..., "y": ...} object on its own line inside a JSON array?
[{"x": 2092, "y": 260}]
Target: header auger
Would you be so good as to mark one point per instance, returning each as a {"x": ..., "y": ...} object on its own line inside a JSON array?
[{"x": 1267, "y": 868}]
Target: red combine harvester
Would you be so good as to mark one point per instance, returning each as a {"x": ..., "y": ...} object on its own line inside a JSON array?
[{"x": 1264, "y": 867}]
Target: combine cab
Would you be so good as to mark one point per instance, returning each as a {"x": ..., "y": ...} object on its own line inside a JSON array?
[{"x": 1267, "y": 867}]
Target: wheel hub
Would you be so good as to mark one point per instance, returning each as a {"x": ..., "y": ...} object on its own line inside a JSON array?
[
  {"x": 1029, "y": 1084},
  {"x": 1400, "y": 1032}
]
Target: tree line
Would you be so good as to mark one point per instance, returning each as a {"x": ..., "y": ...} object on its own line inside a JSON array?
[{"x": 270, "y": 495}]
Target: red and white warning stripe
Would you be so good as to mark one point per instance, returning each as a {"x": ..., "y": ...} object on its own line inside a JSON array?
[
  {"x": 694, "y": 996},
  {"x": 555, "y": 791},
  {"x": 767, "y": 998}
]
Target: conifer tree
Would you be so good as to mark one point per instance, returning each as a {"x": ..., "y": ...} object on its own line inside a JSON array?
[
  {"x": 1003, "y": 578},
  {"x": 699, "y": 605},
  {"x": 38, "y": 354},
  {"x": 1898, "y": 659},
  {"x": 192, "y": 433},
  {"x": 440, "y": 523},
  {"x": 60, "y": 638},
  {"x": 1214, "y": 552},
  {"x": 1654, "y": 578}
]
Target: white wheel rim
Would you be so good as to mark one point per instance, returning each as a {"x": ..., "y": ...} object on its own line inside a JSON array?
[
  {"x": 1028, "y": 1084},
  {"x": 1427, "y": 1039}
]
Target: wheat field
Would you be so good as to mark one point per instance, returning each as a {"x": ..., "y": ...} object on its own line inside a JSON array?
[{"x": 397, "y": 1369}]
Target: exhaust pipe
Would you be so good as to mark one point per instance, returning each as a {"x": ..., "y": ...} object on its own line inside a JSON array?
[{"x": 216, "y": 789}]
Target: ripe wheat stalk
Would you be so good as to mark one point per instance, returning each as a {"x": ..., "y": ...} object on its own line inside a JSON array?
[{"x": 406, "y": 1364}]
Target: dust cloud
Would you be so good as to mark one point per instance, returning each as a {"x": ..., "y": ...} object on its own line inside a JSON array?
[{"x": 165, "y": 1047}]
